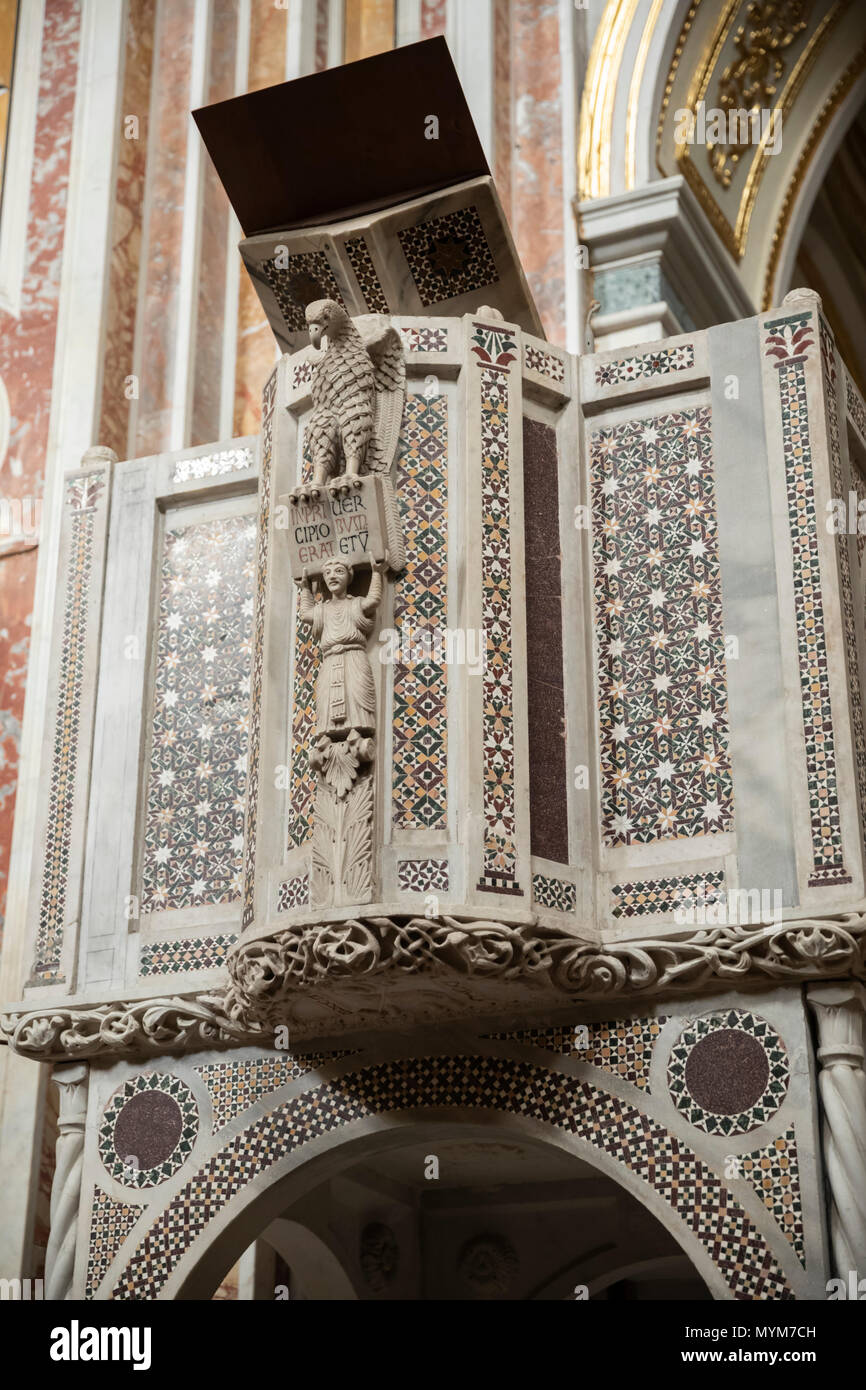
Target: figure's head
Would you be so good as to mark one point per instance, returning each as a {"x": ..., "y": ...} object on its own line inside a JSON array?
[
  {"x": 337, "y": 576},
  {"x": 325, "y": 316}
]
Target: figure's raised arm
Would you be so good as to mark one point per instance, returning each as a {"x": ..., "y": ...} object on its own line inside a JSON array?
[
  {"x": 306, "y": 599},
  {"x": 374, "y": 593}
]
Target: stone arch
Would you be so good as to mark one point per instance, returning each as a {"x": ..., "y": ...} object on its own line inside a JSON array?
[{"x": 259, "y": 1169}]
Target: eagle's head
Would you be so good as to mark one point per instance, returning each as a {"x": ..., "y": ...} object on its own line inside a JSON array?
[{"x": 326, "y": 316}]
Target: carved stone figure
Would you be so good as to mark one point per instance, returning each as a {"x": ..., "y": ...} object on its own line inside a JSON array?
[
  {"x": 345, "y": 694},
  {"x": 358, "y": 390}
]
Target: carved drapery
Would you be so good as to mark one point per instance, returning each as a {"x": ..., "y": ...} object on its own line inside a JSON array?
[
  {"x": 71, "y": 1082},
  {"x": 839, "y": 1011}
]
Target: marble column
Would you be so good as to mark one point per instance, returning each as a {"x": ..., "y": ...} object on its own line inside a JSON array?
[
  {"x": 839, "y": 1011},
  {"x": 71, "y": 1081}
]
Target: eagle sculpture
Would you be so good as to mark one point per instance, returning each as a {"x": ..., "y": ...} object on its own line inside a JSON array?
[{"x": 358, "y": 389}]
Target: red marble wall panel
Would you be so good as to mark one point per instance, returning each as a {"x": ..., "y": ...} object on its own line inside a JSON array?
[
  {"x": 26, "y": 366},
  {"x": 434, "y": 14}
]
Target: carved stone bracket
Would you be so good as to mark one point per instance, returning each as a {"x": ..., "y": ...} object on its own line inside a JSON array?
[{"x": 323, "y": 979}]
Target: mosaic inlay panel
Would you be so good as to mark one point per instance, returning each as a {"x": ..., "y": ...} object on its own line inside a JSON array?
[
  {"x": 623, "y": 1048},
  {"x": 295, "y": 892},
  {"x": 212, "y": 465},
  {"x": 82, "y": 497},
  {"x": 148, "y": 1129},
  {"x": 496, "y": 349},
  {"x": 651, "y": 897},
  {"x": 659, "y": 631},
  {"x": 545, "y": 363},
  {"x": 176, "y": 957},
  {"x": 365, "y": 273},
  {"x": 419, "y": 785},
  {"x": 448, "y": 256},
  {"x": 307, "y": 277},
  {"x": 660, "y": 1159},
  {"x": 110, "y": 1224},
  {"x": 302, "y": 373},
  {"x": 728, "y": 1072},
  {"x": 422, "y": 875},
  {"x": 307, "y": 659},
  {"x": 828, "y": 365},
  {"x": 258, "y": 663},
  {"x": 774, "y": 1172},
  {"x": 856, "y": 408},
  {"x": 425, "y": 339},
  {"x": 194, "y": 826},
  {"x": 235, "y": 1086},
  {"x": 659, "y": 363},
  {"x": 557, "y": 893},
  {"x": 788, "y": 341}
]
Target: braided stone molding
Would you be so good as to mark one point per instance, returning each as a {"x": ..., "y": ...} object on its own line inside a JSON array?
[
  {"x": 71, "y": 1082},
  {"x": 326, "y": 978},
  {"x": 839, "y": 1011}
]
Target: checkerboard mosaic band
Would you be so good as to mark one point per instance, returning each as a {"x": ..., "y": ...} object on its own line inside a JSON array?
[
  {"x": 119, "y": 1165},
  {"x": 294, "y": 893},
  {"x": 774, "y": 1173},
  {"x": 194, "y": 821},
  {"x": 258, "y": 658},
  {"x": 496, "y": 349},
  {"x": 788, "y": 341},
  {"x": 623, "y": 1048},
  {"x": 305, "y": 673},
  {"x": 191, "y": 953},
  {"x": 610, "y": 1124},
  {"x": 647, "y": 364},
  {"x": 859, "y": 484},
  {"x": 849, "y": 622},
  {"x": 681, "y": 1084},
  {"x": 235, "y": 1086},
  {"x": 557, "y": 893},
  {"x": 425, "y": 339},
  {"x": 419, "y": 758},
  {"x": 660, "y": 639},
  {"x": 422, "y": 875},
  {"x": 305, "y": 278},
  {"x": 856, "y": 408},
  {"x": 545, "y": 363},
  {"x": 656, "y": 896},
  {"x": 365, "y": 273},
  {"x": 110, "y": 1224},
  {"x": 448, "y": 256},
  {"x": 82, "y": 497},
  {"x": 212, "y": 465}
]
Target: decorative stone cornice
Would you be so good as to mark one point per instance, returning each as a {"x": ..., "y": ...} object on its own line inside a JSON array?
[{"x": 323, "y": 979}]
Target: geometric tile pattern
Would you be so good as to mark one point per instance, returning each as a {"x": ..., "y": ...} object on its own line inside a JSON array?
[
  {"x": 302, "y": 373},
  {"x": 307, "y": 277},
  {"x": 295, "y": 892},
  {"x": 116, "y": 1164},
  {"x": 557, "y": 893},
  {"x": 692, "y": 1189},
  {"x": 654, "y": 896},
  {"x": 500, "y": 852},
  {"x": 623, "y": 1048},
  {"x": 365, "y": 273},
  {"x": 212, "y": 465},
  {"x": 774, "y": 1173},
  {"x": 536, "y": 360},
  {"x": 194, "y": 829},
  {"x": 82, "y": 495},
  {"x": 419, "y": 730},
  {"x": 659, "y": 631},
  {"x": 659, "y": 363},
  {"x": 110, "y": 1224},
  {"x": 849, "y": 622},
  {"x": 788, "y": 341},
  {"x": 425, "y": 339},
  {"x": 235, "y": 1086},
  {"x": 175, "y": 957},
  {"x": 258, "y": 658},
  {"x": 448, "y": 256},
  {"x": 302, "y": 780},
  {"x": 856, "y": 408},
  {"x": 768, "y": 1102},
  {"x": 422, "y": 875}
]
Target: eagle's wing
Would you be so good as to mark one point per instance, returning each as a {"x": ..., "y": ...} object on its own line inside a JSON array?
[{"x": 385, "y": 348}]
